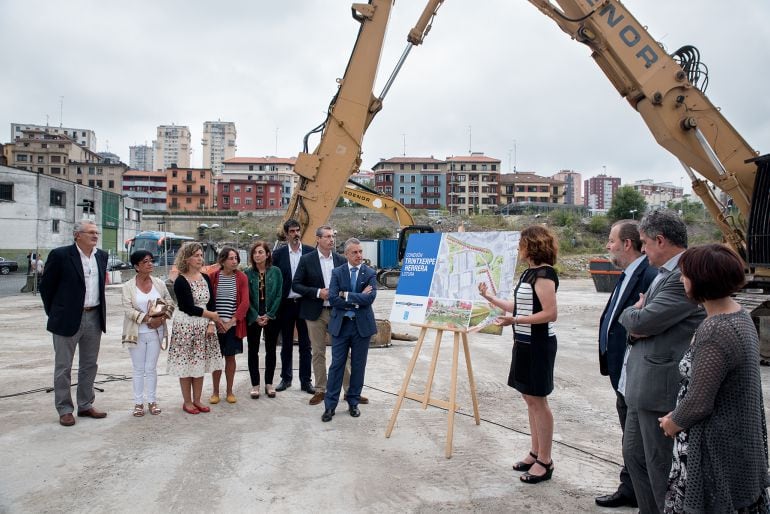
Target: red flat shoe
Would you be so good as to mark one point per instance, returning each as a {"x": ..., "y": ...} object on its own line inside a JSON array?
[
  {"x": 202, "y": 408},
  {"x": 194, "y": 410}
]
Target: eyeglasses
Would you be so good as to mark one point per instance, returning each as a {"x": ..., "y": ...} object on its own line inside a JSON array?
[{"x": 90, "y": 232}]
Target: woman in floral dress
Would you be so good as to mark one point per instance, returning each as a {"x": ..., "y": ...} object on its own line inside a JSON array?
[
  {"x": 194, "y": 348},
  {"x": 718, "y": 425}
]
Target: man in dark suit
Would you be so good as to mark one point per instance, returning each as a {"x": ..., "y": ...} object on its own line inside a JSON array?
[
  {"x": 352, "y": 292},
  {"x": 287, "y": 259},
  {"x": 72, "y": 290},
  {"x": 625, "y": 250},
  {"x": 312, "y": 279},
  {"x": 660, "y": 326}
]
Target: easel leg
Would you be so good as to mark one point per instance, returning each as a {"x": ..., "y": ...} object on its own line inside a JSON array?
[
  {"x": 452, "y": 397},
  {"x": 432, "y": 371},
  {"x": 405, "y": 384},
  {"x": 471, "y": 380}
]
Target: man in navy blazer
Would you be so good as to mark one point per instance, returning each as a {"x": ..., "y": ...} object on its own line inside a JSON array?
[
  {"x": 312, "y": 280},
  {"x": 72, "y": 290},
  {"x": 625, "y": 249},
  {"x": 287, "y": 259},
  {"x": 352, "y": 292}
]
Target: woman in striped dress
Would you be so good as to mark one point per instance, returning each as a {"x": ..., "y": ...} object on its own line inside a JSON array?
[
  {"x": 231, "y": 292},
  {"x": 533, "y": 313}
]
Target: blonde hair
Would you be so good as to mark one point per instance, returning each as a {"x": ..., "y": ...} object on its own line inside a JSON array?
[{"x": 185, "y": 252}]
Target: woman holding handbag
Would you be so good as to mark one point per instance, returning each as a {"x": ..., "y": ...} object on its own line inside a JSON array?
[{"x": 147, "y": 305}]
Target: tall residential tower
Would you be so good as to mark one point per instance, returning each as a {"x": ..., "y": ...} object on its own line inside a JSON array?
[{"x": 218, "y": 144}]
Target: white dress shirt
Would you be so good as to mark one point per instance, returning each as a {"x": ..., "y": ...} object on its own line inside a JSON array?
[
  {"x": 91, "y": 276},
  {"x": 294, "y": 262}
]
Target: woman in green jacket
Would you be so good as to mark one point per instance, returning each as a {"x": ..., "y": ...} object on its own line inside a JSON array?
[{"x": 265, "y": 286}]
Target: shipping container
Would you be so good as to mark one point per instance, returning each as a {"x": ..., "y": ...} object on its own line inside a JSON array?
[{"x": 388, "y": 253}]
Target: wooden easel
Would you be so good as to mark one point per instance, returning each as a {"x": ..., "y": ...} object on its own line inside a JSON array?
[{"x": 425, "y": 397}]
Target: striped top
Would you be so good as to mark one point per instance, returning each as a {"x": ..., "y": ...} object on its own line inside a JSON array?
[
  {"x": 527, "y": 302},
  {"x": 226, "y": 295}
]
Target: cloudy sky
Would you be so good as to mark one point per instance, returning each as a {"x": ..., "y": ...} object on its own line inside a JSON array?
[{"x": 494, "y": 76}]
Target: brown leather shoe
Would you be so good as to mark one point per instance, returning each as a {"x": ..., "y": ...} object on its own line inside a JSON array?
[
  {"x": 317, "y": 398},
  {"x": 67, "y": 420},
  {"x": 362, "y": 400},
  {"x": 92, "y": 413}
]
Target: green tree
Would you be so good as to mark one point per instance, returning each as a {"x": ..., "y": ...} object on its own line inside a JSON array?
[{"x": 627, "y": 204}]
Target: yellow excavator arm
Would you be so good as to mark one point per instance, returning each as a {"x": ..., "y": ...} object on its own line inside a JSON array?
[
  {"x": 375, "y": 201},
  {"x": 325, "y": 172},
  {"x": 665, "y": 91}
]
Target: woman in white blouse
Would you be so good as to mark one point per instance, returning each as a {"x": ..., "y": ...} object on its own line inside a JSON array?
[{"x": 144, "y": 335}]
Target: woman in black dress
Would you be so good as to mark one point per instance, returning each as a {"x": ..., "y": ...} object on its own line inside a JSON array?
[{"x": 533, "y": 313}]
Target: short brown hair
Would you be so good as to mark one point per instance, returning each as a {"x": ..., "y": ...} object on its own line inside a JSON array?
[
  {"x": 184, "y": 253},
  {"x": 266, "y": 247},
  {"x": 629, "y": 230},
  {"x": 714, "y": 271},
  {"x": 540, "y": 244}
]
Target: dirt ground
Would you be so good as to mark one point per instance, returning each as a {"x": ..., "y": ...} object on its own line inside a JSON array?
[{"x": 277, "y": 455}]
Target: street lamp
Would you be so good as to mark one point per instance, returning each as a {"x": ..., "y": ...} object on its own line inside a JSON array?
[
  {"x": 632, "y": 212},
  {"x": 237, "y": 237}
]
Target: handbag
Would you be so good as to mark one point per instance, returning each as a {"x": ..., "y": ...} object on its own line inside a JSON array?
[{"x": 158, "y": 307}]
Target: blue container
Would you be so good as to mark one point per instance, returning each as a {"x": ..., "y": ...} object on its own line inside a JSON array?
[{"x": 387, "y": 251}]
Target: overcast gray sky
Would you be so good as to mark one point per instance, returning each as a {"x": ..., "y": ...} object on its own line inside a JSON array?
[{"x": 494, "y": 76}]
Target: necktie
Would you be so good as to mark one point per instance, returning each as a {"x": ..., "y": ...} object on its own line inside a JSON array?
[
  {"x": 605, "y": 325},
  {"x": 353, "y": 276}
]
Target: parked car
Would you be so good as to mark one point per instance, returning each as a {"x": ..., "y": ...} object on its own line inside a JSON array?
[
  {"x": 7, "y": 266},
  {"x": 115, "y": 264}
]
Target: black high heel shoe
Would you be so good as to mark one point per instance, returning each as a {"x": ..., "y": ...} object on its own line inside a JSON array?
[
  {"x": 529, "y": 478},
  {"x": 524, "y": 466}
]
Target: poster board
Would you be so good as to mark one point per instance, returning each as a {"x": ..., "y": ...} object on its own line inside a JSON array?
[{"x": 440, "y": 275}]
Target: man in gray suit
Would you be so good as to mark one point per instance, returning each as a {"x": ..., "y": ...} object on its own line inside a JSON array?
[{"x": 660, "y": 326}]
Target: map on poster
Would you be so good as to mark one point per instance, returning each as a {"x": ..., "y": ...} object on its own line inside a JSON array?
[{"x": 440, "y": 275}]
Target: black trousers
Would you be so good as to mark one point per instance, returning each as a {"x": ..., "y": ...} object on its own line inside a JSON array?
[{"x": 288, "y": 319}]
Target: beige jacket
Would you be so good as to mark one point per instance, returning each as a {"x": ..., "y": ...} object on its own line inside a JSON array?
[{"x": 134, "y": 315}]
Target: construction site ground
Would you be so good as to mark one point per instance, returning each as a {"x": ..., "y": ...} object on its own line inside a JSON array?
[{"x": 276, "y": 455}]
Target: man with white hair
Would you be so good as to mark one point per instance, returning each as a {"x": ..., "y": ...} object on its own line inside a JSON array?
[{"x": 72, "y": 290}]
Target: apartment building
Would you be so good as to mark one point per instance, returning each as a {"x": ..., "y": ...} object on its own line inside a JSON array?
[
  {"x": 84, "y": 137},
  {"x": 529, "y": 187},
  {"x": 189, "y": 189},
  {"x": 58, "y": 155},
  {"x": 472, "y": 183},
  {"x": 261, "y": 170},
  {"x": 573, "y": 186},
  {"x": 244, "y": 194},
  {"x": 218, "y": 144},
  {"x": 658, "y": 194},
  {"x": 171, "y": 147},
  {"x": 416, "y": 182},
  {"x": 599, "y": 191},
  {"x": 147, "y": 187},
  {"x": 140, "y": 157}
]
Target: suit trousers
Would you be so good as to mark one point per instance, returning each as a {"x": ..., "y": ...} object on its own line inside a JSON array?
[
  {"x": 144, "y": 359},
  {"x": 647, "y": 453},
  {"x": 288, "y": 319},
  {"x": 349, "y": 341},
  {"x": 87, "y": 339},
  {"x": 317, "y": 330},
  {"x": 626, "y": 487}
]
